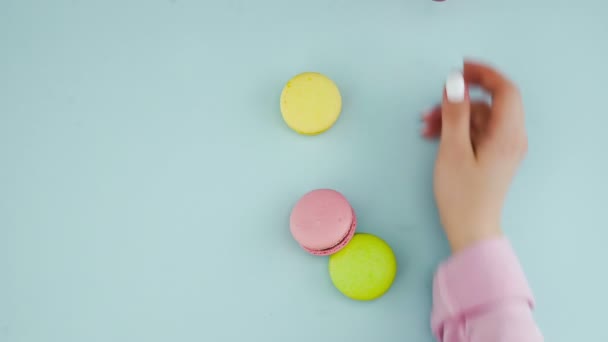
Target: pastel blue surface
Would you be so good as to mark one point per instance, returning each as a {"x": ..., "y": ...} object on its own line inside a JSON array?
[{"x": 146, "y": 175}]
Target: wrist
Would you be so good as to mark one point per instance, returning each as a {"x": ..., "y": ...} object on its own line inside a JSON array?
[{"x": 463, "y": 239}]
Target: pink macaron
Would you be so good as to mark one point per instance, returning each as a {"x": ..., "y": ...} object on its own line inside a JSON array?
[{"x": 323, "y": 222}]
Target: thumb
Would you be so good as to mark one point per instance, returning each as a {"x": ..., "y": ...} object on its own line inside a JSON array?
[{"x": 456, "y": 114}]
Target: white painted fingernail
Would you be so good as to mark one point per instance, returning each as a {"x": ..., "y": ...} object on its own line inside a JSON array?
[{"x": 455, "y": 87}]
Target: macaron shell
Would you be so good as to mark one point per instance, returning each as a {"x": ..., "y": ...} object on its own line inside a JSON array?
[
  {"x": 364, "y": 269},
  {"x": 310, "y": 103},
  {"x": 321, "y": 220},
  {"x": 340, "y": 245}
]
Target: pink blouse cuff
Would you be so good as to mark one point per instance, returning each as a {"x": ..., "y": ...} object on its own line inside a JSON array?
[{"x": 484, "y": 274}]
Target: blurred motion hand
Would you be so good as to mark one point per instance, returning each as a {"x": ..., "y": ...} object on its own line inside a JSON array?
[{"x": 481, "y": 147}]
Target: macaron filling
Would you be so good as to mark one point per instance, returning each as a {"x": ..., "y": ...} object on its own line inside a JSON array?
[
  {"x": 322, "y": 222},
  {"x": 341, "y": 244}
]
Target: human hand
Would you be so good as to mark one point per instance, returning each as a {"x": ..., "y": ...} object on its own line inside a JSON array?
[{"x": 481, "y": 146}]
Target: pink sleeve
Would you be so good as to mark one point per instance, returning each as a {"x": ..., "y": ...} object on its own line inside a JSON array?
[{"x": 481, "y": 294}]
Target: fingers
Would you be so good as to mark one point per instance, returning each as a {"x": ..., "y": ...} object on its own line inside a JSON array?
[
  {"x": 480, "y": 112},
  {"x": 507, "y": 108},
  {"x": 505, "y": 134},
  {"x": 456, "y": 115},
  {"x": 431, "y": 121},
  {"x": 486, "y": 77}
]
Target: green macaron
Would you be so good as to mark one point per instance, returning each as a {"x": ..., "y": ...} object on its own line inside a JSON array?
[{"x": 364, "y": 269}]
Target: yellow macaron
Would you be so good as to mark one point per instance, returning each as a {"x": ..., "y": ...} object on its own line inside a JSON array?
[
  {"x": 310, "y": 103},
  {"x": 365, "y": 269}
]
